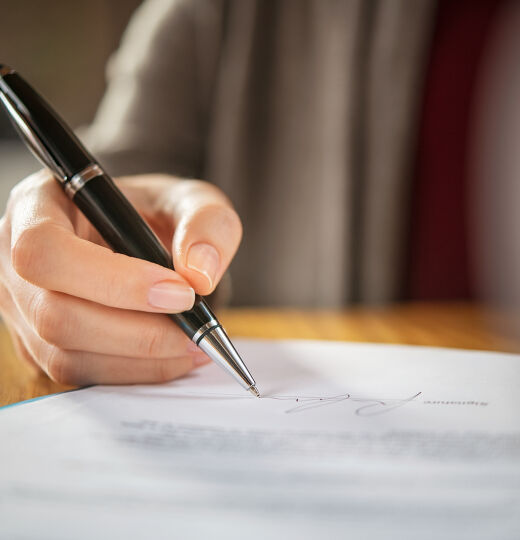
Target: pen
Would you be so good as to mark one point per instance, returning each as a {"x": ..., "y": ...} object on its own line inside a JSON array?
[{"x": 99, "y": 199}]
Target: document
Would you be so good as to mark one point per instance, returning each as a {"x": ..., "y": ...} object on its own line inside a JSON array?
[{"x": 347, "y": 441}]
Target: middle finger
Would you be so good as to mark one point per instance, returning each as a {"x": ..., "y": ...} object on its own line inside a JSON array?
[{"x": 76, "y": 324}]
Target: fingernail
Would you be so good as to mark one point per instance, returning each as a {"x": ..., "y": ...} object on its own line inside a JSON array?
[
  {"x": 204, "y": 259},
  {"x": 200, "y": 359},
  {"x": 171, "y": 295}
]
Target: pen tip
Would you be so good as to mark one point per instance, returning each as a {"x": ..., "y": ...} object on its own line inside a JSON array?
[{"x": 254, "y": 391}]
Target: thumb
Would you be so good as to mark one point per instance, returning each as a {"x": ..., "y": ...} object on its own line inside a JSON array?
[{"x": 207, "y": 233}]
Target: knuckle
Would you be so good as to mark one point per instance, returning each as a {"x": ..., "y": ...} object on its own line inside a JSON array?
[
  {"x": 115, "y": 288},
  {"x": 61, "y": 368},
  {"x": 5, "y": 231},
  {"x": 218, "y": 221},
  {"x": 233, "y": 224},
  {"x": 14, "y": 195},
  {"x": 27, "y": 251},
  {"x": 5, "y": 243},
  {"x": 164, "y": 370},
  {"x": 48, "y": 318},
  {"x": 18, "y": 192},
  {"x": 5, "y": 298},
  {"x": 22, "y": 351},
  {"x": 226, "y": 220},
  {"x": 151, "y": 342},
  {"x": 32, "y": 184}
]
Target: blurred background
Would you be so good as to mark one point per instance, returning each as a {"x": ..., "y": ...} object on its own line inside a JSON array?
[{"x": 61, "y": 47}]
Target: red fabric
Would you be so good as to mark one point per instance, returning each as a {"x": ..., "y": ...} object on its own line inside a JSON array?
[{"x": 439, "y": 263}]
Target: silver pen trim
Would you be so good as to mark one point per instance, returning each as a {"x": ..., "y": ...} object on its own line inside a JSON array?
[
  {"x": 197, "y": 335},
  {"x": 80, "y": 179},
  {"x": 219, "y": 348}
]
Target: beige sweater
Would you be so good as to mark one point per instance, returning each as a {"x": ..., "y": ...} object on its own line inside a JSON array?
[{"x": 303, "y": 111}]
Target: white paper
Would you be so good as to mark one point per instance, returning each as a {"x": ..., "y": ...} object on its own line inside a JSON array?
[{"x": 348, "y": 441}]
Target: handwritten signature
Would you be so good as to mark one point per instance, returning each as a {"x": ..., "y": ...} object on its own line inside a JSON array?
[{"x": 370, "y": 407}]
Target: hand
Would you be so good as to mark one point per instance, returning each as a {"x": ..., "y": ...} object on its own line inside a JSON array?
[{"x": 87, "y": 315}]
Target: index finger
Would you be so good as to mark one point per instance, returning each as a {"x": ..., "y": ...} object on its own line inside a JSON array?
[{"x": 46, "y": 252}]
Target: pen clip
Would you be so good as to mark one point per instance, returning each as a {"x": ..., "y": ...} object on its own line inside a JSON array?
[{"x": 20, "y": 120}]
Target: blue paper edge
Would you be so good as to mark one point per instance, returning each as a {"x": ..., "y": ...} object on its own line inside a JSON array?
[{"x": 38, "y": 398}]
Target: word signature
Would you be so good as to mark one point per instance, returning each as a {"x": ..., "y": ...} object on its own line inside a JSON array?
[{"x": 370, "y": 407}]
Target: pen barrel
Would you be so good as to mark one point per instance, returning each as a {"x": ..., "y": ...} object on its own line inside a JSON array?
[
  {"x": 125, "y": 231},
  {"x": 51, "y": 130}
]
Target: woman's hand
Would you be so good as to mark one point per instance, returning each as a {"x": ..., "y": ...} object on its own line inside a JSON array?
[{"x": 87, "y": 315}]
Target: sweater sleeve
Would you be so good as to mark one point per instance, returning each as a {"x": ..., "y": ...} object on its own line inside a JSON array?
[{"x": 154, "y": 115}]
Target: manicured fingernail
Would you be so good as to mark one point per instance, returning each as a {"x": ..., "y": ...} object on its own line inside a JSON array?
[
  {"x": 200, "y": 359},
  {"x": 171, "y": 295},
  {"x": 204, "y": 259}
]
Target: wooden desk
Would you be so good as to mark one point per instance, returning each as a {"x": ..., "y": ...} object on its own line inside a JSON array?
[{"x": 458, "y": 325}]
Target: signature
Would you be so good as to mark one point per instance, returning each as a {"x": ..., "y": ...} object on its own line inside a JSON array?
[
  {"x": 298, "y": 404},
  {"x": 369, "y": 407}
]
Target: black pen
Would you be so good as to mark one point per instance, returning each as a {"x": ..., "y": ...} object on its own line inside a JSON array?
[{"x": 96, "y": 195}]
